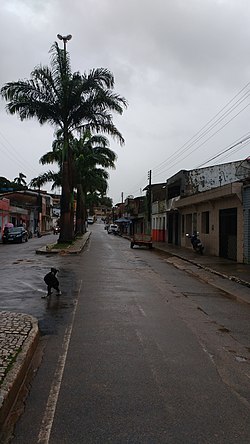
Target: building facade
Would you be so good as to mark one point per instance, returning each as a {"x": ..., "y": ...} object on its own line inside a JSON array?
[
  {"x": 34, "y": 209},
  {"x": 215, "y": 201}
]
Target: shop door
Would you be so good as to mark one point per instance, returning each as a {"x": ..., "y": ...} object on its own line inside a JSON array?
[{"x": 228, "y": 233}]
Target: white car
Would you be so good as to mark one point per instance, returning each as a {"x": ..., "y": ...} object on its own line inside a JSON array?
[
  {"x": 113, "y": 228},
  {"x": 90, "y": 220}
]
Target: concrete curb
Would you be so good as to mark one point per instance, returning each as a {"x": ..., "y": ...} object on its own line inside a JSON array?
[
  {"x": 76, "y": 248},
  {"x": 16, "y": 376}
]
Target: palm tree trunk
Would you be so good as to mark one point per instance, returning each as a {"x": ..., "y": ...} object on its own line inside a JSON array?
[
  {"x": 84, "y": 210},
  {"x": 80, "y": 225},
  {"x": 71, "y": 185},
  {"x": 65, "y": 219},
  {"x": 67, "y": 200}
]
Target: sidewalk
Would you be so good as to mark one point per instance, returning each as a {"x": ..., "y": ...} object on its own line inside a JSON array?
[
  {"x": 219, "y": 272},
  {"x": 19, "y": 337},
  {"x": 19, "y": 333}
]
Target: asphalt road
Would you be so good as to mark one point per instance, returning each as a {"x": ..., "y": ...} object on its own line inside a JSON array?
[{"x": 134, "y": 351}]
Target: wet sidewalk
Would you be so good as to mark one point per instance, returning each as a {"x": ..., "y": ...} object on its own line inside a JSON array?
[{"x": 222, "y": 273}]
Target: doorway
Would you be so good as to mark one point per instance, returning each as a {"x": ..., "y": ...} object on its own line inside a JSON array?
[{"x": 228, "y": 233}]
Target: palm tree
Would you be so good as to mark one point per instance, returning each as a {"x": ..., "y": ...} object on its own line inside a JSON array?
[
  {"x": 89, "y": 153},
  {"x": 95, "y": 184},
  {"x": 20, "y": 180},
  {"x": 49, "y": 176},
  {"x": 68, "y": 101}
]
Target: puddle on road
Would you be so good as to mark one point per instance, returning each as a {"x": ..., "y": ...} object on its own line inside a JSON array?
[{"x": 22, "y": 261}]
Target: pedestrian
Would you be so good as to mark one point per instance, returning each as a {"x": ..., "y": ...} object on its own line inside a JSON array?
[{"x": 52, "y": 282}]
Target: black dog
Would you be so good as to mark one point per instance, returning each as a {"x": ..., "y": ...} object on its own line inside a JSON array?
[{"x": 52, "y": 282}]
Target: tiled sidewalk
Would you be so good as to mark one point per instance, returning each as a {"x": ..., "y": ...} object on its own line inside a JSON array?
[
  {"x": 14, "y": 330},
  {"x": 19, "y": 336}
]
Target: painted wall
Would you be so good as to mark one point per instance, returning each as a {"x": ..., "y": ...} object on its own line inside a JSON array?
[
  {"x": 211, "y": 240},
  {"x": 203, "y": 179}
]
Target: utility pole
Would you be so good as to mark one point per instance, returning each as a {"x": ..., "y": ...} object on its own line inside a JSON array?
[
  {"x": 122, "y": 214},
  {"x": 149, "y": 198}
]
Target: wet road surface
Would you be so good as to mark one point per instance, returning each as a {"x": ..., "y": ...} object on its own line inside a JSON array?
[
  {"x": 22, "y": 285},
  {"x": 133, "y": 351}
]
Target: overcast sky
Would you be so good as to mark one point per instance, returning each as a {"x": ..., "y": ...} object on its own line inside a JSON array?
[{"x": 182, "y": 65}]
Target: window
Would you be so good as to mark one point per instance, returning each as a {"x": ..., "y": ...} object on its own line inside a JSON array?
[{"x": 205, "y": 222}]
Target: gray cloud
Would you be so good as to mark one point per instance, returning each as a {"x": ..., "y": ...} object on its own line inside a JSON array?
[{"x": 177, "y": 62}]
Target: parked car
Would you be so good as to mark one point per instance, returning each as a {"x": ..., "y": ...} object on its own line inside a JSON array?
[
  {"x": 113, "y": 228},
  {"x": 15, "y": 234},
  {"x": 90, "y": 220}
]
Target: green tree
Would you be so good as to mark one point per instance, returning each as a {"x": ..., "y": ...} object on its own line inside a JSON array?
[
  {"x": 5, "y": 183},
  {"x": 68, "y": 101},
  {"x": 91, "y": 153},
  {"x": 20, "y": 180},
  {"x": 42, "y": 179},
  {"x": 106, "y": 201}
]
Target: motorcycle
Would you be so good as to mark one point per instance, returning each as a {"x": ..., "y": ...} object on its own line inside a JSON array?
[{"x": 196, "y": 242}]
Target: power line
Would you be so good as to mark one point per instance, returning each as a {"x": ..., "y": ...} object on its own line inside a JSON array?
[
  {"x": 201, "y": 133},
  {"x": 186, "y": 148},
  {"x": 205, "y": 129},
  {"x": 236, "y": 144},
  {"x": 171, "y": 164},
  {"x": 14, "y": 156}
]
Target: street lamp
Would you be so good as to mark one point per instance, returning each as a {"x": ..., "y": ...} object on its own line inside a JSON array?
[{"x": 65, "y": 39}]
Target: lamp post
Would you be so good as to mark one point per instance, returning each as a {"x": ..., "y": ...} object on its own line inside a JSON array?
[
  {"x": 149, "y": 197},
  {"x": 65, "y": 39}
]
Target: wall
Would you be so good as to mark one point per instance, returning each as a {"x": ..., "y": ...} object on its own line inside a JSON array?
[
  {"x": 213, "y": 203},
  {"x": 4, "y": 214},
  {"x": 203, "y": 179},
  {"x": 159, "y": 221},
  {"x": 246, "y": 203}
]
